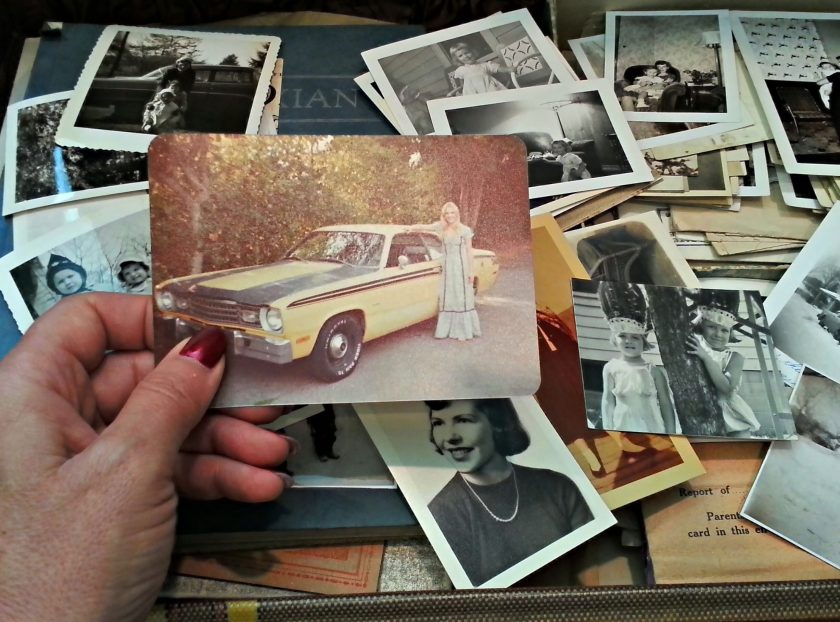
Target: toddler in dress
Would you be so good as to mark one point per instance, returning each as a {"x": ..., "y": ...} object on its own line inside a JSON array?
[
  {"x": 710, "y": 343},
  {"x": 477, "y": 77},
  {"x": 636, "y": 395}
]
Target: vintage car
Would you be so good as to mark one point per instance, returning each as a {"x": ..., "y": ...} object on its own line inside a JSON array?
[
  {"x": 340, "y": 287},
  {"x": 220, "y": 100}
]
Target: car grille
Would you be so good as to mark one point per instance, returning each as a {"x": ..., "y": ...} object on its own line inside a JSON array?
[{"x": 212, "y": 310}]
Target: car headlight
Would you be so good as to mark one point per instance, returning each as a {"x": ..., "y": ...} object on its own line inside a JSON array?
[
  {"x": 249, "y": 316},
  {"x": 181, "y": 304},
  {"x": 165, "y": 301},
  {"x": 271, "y": 320}
]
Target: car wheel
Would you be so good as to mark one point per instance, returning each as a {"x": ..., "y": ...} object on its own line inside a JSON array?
[{"x": 337, "y": 348}]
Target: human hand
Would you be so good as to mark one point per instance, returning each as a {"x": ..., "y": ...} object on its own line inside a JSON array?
[
  {"x": 95, "y": 447},
  {"x": 695, "y": 347}
]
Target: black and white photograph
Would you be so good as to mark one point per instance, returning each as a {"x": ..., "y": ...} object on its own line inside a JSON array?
[
  {"x": 804, "y": 307},
  {"x": 633, "y": 249},
  {"x": 673, "y": 66},
  {"x": 794, "y": 62},
  {"x": 575, "y": 137},
  {"x": 796, "y": 494},
  {"x": 756, "y": 183},
  {"x": 368, "y": 86},
  {"x": 109, "y": 253},
  {"x": 702, "y": 175},
  {"x": 796, "y": 190},
  {"x": 505, "y": 51},
  {"x": 491, "y": 483},
  {"x": 334, "y": 451},
  {"x": 139, "y": 83},
  {"x": 670, "y": 360},
  {"x": 589, "y": 54},
  {"x": 40, "y": 173}
]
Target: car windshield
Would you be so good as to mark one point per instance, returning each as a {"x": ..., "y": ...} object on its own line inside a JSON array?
[{"x": 355, "y": 248}]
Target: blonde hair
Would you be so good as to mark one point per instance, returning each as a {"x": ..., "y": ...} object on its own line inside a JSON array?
[
  {"x": 461, "y": 45},
  {"x": 447, "y": 205}
]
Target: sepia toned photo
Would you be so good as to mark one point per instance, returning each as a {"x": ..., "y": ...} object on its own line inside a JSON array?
[
  {"x": 492, "y": 484},
  {"x": 348, "y": 268},
  {"x": 40, "y": 173},
  {"x": 623, "y": 467},
  {"x": 794, "y": 62},
  {"x": 505, "y": 51},
  {"x": 804, "y": 307},
  {"x": 670, "y": 360},
  {"x": 796, "y": 494},
  {"x": 109, "y": 252},
  {"x": 139, "y": 83},
  {"x": 673, "y": 66},
  {"x": 574, "y": 134}
]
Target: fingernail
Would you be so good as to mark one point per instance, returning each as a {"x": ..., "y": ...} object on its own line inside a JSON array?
[
  {"x": 206, "y": 347},
  {"x": 288, "y": 480},
  {"x": 294, "y": 445}
]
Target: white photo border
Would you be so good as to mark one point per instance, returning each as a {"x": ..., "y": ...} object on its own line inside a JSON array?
[
  {"x": 366, "y": 84},
  {"x": 789, "y": 195},
  {"x": 728, "y": 68},
  {"x": 71, "y": 135},
  {"x": 537, "y": 424},
  {"x": 522, "y": 16},
  {"x": 761, "y": 173},
  {"x": 639, "y": 172},
  {"x": 45, "y": 243},
  {"x": 576, "y": 45},
  {"x": 10, "y": 205},
  {"x": 791, "y": 164}
]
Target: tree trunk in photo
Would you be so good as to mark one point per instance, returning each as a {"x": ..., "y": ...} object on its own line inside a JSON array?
[{"x": 695, "y": 397}]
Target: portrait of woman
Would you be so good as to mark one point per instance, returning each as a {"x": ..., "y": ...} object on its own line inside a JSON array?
[
  {"x": 457, "y": 317},
  {"x": 494, "y": 513}
]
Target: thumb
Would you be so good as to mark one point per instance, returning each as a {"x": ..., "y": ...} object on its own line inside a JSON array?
[{"x": 170, "y": 401}]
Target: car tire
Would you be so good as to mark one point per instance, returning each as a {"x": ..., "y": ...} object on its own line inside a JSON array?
[{"x": 337, "y": 349}]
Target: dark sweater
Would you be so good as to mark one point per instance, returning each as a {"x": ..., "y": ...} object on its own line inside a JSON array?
[{"x": 550, "y": 506}]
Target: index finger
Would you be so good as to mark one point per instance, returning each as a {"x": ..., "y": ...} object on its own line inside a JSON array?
[{"x": 86, "y": 326}]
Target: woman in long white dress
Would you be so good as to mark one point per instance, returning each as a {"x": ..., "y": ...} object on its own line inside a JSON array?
[{"x": 457, "y": 317}]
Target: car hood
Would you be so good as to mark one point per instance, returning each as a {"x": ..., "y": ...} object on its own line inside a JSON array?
[{"x": 260, "y": 285}]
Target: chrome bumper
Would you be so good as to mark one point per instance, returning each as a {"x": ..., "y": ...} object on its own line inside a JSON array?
[{"x": 273, "y": 350}]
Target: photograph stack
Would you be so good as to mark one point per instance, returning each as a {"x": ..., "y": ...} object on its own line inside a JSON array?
[{"x": 535, "y": 311}]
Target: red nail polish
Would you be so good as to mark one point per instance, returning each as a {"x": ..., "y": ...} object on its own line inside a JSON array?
[{"x": 206, "y": 347}]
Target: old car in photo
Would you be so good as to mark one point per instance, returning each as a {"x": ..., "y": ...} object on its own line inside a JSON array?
[
  {"x": 220, "y": 99},
  {"x": 338, "y": 288}
]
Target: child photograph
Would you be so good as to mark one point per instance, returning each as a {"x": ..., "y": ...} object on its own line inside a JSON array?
[
  {"x": 491, "y": 483},
  {"x": 413, "y": 254},
  {"x": 142, "y": 82},
  {"x": 502, "y": 52},
  {"x": 669, "y": 360},
  {"x": 574, "y": 134},
  {"x": 673, "y": 66}
]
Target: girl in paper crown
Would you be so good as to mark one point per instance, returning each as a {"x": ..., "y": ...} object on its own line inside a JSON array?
[
  {"x": 636, "y": 395},
  {"x": 716, "y": 317}
]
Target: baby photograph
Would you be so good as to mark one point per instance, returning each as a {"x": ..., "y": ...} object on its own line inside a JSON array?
[
  {"x": 673, "y": 66},
  {"x": 505, "y": 51},
  {"x": 491, "y": 483},
  {"x": 574, "y": 134},
  {"x": 668, "y": 360}
]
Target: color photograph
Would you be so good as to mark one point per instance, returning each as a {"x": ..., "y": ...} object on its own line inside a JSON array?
[{"x": 340, "y": 266}]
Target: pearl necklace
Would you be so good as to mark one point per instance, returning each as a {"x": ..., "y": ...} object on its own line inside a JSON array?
[{"x": 484, "y": 505}]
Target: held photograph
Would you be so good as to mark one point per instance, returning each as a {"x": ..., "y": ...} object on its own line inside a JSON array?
[
  {"x": 139, "y": 83},
  {"x": 348, "y": 269},
  {"x": 623, "y": 467},
  {"x": 39, "y": 173},
  {"x": 794, "y": 62},
  {"x": 804, "y": 307},
  {"x": 574, "y": 134},
  {"x": 108, "y": 252},
  {"x": 505, "y": 51},
  {"x": 673, "y": 66},
  {"x": 491, "y": 483},
  {"x": 796, "y": 494},
  {"x": 669, "y": 360}
]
